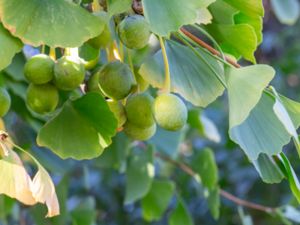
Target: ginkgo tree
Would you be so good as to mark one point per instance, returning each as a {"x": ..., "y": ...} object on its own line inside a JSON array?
[{"x": 123, "y": 81}]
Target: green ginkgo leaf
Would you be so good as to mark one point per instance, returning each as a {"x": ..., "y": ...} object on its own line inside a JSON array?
[
  {"x": 262, "y": 131},
  {"x": 9, "y": 46},
  {"x": 245, "y": 87},
  {"x": 156, "y": 202},
  {"x": 191, "y": 77},
  {"x": 81, "y": 130},
  {"x": 174, "y": 14},
  {"x": 268, "y": 169},
  {"x": 55, "y": 23},
  {"x": 139, "y": 174}
]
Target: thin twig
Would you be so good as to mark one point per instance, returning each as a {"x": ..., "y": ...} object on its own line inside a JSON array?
[
  {"x": 208, "y": 47},
  {"x": 247, "y": 204},
  {"x": 223, "y": 193}
]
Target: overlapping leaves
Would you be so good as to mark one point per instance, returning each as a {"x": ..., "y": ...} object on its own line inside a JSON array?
[
  {"x": 236, "y": 22},
  {"x": 19, "y": 185},
  {"x": 81, "y": 130},
  {"x": 191, "y": 77}
]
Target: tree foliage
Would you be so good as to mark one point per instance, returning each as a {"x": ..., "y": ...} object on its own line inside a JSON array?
[{"x": 141, "y": 98}]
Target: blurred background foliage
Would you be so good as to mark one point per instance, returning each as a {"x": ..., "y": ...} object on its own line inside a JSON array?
[{"x": 92, "y": 192}]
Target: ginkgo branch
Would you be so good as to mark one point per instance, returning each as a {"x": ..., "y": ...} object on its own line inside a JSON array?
[
  {"x": 188, "y": 170},
  {"x": 208, "y": 47}
]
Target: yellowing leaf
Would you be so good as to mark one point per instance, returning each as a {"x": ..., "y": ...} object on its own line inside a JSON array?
[
  {"x": 15, "y": 182},
  {"x": 43, "y": 191}
]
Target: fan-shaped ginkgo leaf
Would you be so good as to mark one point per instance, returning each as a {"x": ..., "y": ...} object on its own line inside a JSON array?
[
  {"x": 43, "y": 191},
  {"x": 55, "y": 23}
]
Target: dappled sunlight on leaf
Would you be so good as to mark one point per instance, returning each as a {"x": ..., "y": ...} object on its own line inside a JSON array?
[{"x": 242, "y": 94}]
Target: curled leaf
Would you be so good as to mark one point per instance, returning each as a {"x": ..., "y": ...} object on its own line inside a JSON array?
[
  {"x": 15, "y": 181},
  {"x": 43, "y": 191}
]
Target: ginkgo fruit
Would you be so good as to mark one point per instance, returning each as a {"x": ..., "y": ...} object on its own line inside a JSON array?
[
  {"x": 102, "y": 40},
  {"x": 42, "y": 98},
  {"x": 170, "y": 112},
  {"x": 134, "y": 32},
  {"x": 137, "y": 133},
  {"x": 39, "y": 69},
  {"x": 5, "y": 102},
  {"x": 139, "y": 110},
  {"x": 93, "y": 85},
  {"x": 116, "y": 80},
  {"x": 69, "y": 73},
  {"x": 118, "y": 110}
]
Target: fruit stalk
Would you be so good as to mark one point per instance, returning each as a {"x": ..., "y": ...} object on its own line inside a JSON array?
[
  {"x": 131, "y": 63},
  {"x": 52, "y": 53},
  {"x": 167, "y": 85},
  {"x": 43, "y": 49},
  {"x": 96, "y": 6}
]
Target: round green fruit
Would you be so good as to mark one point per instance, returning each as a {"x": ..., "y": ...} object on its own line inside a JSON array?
[
  {"x": 137, "y": 133},
  {"x": 69, "y": 73},
  {"x": 89, "y": 56},
  {"x": 134, "y": 32},
  {"x": 93, "y": 84},
  {"x": 102, "y": 40},
  {"x": 39, "y": 69},
  {"x": 170, "y": 112},
  {"x": 116, "y": 80},
  {"x": 5, "y": 102},
  {"x": 139, "y": 110},
  {"x": 42, "y": 98},
  {"x": 118, "y": 110}
]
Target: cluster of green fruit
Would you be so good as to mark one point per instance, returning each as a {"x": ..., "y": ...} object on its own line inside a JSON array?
[
  {"x": 143, "y": 112},
  {"x": 46, "y": 77},
  {"x": 137, "y": 112}
]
